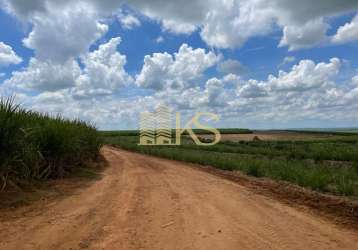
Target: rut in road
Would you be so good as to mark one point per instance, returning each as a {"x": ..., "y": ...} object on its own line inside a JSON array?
[{"x": 143, "y": 202}]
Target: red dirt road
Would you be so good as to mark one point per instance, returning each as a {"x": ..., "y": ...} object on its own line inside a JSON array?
[{"x": 144, "y": 202}]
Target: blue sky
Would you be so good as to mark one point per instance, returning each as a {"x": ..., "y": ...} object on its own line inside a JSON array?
[{"x": 95, "y": 60}]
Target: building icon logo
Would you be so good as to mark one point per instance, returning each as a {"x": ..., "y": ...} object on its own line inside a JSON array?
[{"x": 156, "y": 128}]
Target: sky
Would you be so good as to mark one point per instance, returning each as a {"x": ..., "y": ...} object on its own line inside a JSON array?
[{"x": 255, "y": 63}]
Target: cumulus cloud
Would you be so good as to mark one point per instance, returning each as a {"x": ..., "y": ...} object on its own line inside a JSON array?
[
  {"x": 103, "y": 73},
  {"x": 46, "y": 75},
  {"x": 355, "y": 80},
  {"x": 215, "y": 94},
  {"x": 178, "y": 15},
  {"x": 307, "y": 91},
  {"x": 61, "y": 35},
  {"x": 8, "y": 55},
  {"x": 300, "y": 12},
  {"x": 222, "y": 24},
  {"x": 305, "y": 76},
  {"x": 231, "y": 23},
  {"x": 252, "y": 89},
  {"x": 231, "y": 78},
  {"x": 162, "y": 70},
  {"x": 128, "y": 20},
  {"x": 304, "y": 36},
  {"x": 347, "y": 32},
  {"x": 231, "y": 66},
  {"x": 352, "y": 95},
  {"x": 178, "y": 28}
]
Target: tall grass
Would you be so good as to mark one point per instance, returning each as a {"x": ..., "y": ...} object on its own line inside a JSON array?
[{"x": 36, "y": 146}]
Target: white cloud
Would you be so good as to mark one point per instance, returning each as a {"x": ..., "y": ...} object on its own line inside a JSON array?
[
  {"x": 8, "y": 56},
  {"x": 304, "y": 10},
  {"x": 178, "y": 15},
  {"x": 231, "y": 66},
  {"x": 178, "y": 28},
  {"x": 230, "y": 24},
  {"x": 215, "y": 92},
  {"x": 347, "y": 32},
  {"x": 162, "y": 70},
  {"x": 252, "y": 89},
  {"x": 304, "y": 79},
  {"x": 46, "y": 75},
  {"x": 231, "y": 78},
  {"x": 306, "y": 93},
  {"x": 355, "y": 80},
  {"x": 61, "y": 35},
  {"x": 287, "y": 60},
  {"x": 159, "y": 39},
  {"x": 304, "y": 36},
  {"x": 280, "y": 99},
  {"x": 305, "y": 76},
  {"x": 103, "y": 72},
  {"x": 222, "y": 24},
  {"x": 128, "y": 21},
  {"x": 214, "y": 95}
]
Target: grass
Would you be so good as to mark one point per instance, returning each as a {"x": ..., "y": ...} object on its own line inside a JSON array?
[
  {"x": 36, "y": 146},
  {"x": 309, "y": 164}
]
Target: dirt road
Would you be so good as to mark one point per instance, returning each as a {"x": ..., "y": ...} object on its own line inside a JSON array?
[{"x": 144, "y": 202}]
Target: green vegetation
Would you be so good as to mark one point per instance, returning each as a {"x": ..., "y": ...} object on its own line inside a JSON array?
[
  {"x": 34, "y": 146},
  {"x": 315, "y": 150},
  {"x": 324, "y": 165}
]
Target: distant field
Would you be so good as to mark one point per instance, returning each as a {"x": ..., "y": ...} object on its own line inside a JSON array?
[
  {"x": 278, "y": 136},
  {"x": 322, "y": 161},
  {"x": 197, "y": 131},
  {"x": 329, "y": 130}
]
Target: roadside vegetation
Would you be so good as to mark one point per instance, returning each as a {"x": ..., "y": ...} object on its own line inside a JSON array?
[
  {"x": 36, "y": 146},
  {"x": 324, "y": 165}
]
